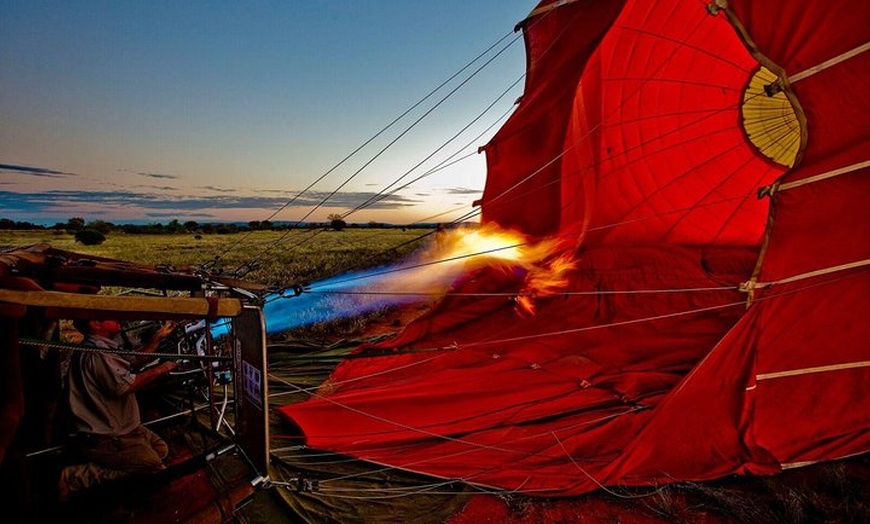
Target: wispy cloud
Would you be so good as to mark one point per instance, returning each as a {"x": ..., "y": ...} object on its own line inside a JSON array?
[
  {"x": 277, "y": 191},
  {"x": 162, "y": 188},
  {"x": 175, "y": 215},
  {"x": 217, "y": 189},
  {"x": 158, "y": 175},
  {"x": 57, "y": 201},
  {"x": 34, "y": 171},
  {"x": 149, "y": 174},
  {"x": 462, "y": 191}
]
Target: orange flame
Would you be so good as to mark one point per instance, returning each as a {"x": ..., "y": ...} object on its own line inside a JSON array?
[
  {"x": 547, "y": 278},
  {"x": 546, "y": 263}
]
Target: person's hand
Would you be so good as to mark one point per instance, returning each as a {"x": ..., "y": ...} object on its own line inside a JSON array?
[{"x": 166, "y": 329}]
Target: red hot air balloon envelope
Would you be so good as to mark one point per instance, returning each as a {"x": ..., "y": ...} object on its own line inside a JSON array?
[{"x": 708, "y": 165}]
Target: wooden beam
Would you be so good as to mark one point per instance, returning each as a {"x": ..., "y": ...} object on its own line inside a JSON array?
[{"x": 79, "y": 306}]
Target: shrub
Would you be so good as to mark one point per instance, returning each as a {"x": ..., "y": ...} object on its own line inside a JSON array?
[
  {"x": 336, "y": 221},
  {"x": 90, "y": 237}
]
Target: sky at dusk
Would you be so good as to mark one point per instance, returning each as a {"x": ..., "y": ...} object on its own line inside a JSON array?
[{"x": 147, "y": 111}]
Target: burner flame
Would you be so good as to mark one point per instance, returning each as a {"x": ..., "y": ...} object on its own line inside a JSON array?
[{"x": 426, "y": 277}]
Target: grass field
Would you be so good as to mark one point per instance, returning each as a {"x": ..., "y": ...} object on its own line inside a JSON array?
[{"x": 280, "y": 258}]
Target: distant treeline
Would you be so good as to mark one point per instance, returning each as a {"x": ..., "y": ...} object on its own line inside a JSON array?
[{"x": 173, "y": 227}]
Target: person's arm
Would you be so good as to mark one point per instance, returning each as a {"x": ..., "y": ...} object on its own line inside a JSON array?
[
  {"x": 151, "y": 346},
  {"x": 150, "y": 375},
  {"x": 165, "y": 330}
]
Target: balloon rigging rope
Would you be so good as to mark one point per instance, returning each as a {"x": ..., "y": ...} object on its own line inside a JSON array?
[
  {"x": 586, "y": 328},
  {"x": 697, "y": 205},
  {"x": 518, "y": 196},
  {"x": 529, "y": 294},
  {"x": 381, "y": 195},
  {"x": 403, "y": 447},
  {"x": 311, "y": 390},
  {"x": 595, "y": 480},
  {"x": 455, "y": 75},
  {"x": 707, "y": 113},
  {"x": 380, "y": 132},
  {"x": 504, "y": 340},
  {"x": 410, "y": 267},
  {"x": 442, "y": 165},
  {"x": 660, "y": 317},
  {"x": 386, "y": 420},
  {"x": 605, "y": 326},
  {"x": 712, "y": 112},
  {"x": 817, "y": 178},
  {"x": 694, "y": 206},
  {"x": 473, "y": 447},
  {"x": 398, "y": 137},
  {"x": 385, "y": 192},
  {"x": 509, "y": 189},
  {"x": 351, "y": 278},
  {"x": 852, "y": 53},
  {"x": 508, "y": 89}
]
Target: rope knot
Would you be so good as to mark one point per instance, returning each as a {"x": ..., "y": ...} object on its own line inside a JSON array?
[
  {"x": 748, "y": 287},
  {"x": 717, "y": 5},
  {"x": 768, "y": 191}
]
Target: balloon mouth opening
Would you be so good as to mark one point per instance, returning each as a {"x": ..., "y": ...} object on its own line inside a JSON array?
[{"x": 769, "y": 118}]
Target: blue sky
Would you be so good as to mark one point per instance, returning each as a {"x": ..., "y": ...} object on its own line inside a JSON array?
[{"x": 214, "y": 111}]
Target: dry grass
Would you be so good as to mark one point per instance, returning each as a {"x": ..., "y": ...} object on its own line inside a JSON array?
[{"x": 280, "y": 258}]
